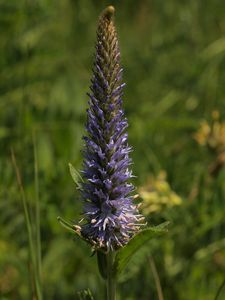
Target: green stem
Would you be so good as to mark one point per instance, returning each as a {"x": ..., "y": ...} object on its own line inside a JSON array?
[{"x": 111, "y": 279}]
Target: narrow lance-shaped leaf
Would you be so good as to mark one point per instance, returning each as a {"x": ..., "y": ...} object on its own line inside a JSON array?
[
  {"x": 124, "y": 255},
  {"x": 69, "y": 226},
  {"x": 75, "y": 176},
  {"x": 72, "y": 228}
]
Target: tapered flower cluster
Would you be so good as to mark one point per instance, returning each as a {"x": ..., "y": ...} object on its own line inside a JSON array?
[{"x": 110, "y": 216}]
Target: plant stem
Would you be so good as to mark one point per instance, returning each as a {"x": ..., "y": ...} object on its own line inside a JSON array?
[
  {"x": 156, "y": 278},
  {"x": 111, "y": 279},
  {"x": 37, "y": 216}
]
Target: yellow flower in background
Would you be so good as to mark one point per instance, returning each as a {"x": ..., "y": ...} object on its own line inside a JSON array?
[
  {"x": 157, "y": 195},
  {"x": 212, "y": 135}
]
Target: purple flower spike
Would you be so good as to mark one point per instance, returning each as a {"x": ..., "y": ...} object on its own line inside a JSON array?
[{"x": 110, "y": 217}]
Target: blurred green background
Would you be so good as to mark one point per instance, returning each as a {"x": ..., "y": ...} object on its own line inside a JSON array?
[{"x": 173, "y": 54}]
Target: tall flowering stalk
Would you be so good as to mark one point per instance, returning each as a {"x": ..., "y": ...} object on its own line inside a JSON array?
[
  {"x": 111, "y": 218},
  {"x": 111, "y": 221},
  {"x": 110, "y": 214}
]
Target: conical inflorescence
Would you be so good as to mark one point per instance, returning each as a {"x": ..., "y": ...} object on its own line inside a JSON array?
[{"x": 110, "y": 216}]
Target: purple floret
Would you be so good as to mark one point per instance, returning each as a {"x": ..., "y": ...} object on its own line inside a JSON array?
[{"x": 110, "y": 217}]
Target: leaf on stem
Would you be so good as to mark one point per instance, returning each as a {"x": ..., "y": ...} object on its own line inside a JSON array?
[
  {"x": 69, "y": 226},
  {"x": 75, "y": 176},
  {"x": 124, "y": 255}
]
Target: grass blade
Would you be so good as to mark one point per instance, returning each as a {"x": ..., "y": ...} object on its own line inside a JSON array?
[
  {"x": 37, "y": 215},
  {"x": 29, "y": 227}
]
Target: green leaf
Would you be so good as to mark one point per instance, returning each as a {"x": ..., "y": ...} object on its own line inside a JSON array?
[
  {"x": 75, "y": 175},
  {"x": 124, "y": 254},
  {"x": 85, "y": 295},
  {"x": 72, "y": 228},
  {"x": 69, "y": 226}
]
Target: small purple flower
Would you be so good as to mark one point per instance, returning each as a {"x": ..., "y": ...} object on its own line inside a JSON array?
[{"x": 110, "y": 217}]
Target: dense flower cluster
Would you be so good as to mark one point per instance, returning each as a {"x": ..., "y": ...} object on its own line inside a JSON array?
[{"x": 110, "y": 217}]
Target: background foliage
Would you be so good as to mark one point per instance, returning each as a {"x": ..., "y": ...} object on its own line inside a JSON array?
[{"x": 173, "y": 54}]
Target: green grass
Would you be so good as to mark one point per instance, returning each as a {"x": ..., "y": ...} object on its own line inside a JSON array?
[{"x": 173, "y": 56}]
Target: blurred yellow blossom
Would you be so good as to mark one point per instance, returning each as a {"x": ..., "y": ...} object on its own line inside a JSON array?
[
  {"x": 212, "y": 135},
  {"x": 157, "y": 194}
]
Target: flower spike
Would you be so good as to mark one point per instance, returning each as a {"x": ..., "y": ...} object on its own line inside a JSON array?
[{"x": 110, "y": 216}]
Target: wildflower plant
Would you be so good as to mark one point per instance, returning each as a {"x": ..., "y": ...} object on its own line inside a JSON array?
[{"x": 111, "y": 221}]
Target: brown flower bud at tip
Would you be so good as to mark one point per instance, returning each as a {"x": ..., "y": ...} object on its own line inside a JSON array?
[{"x": 108, "y": 12}]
